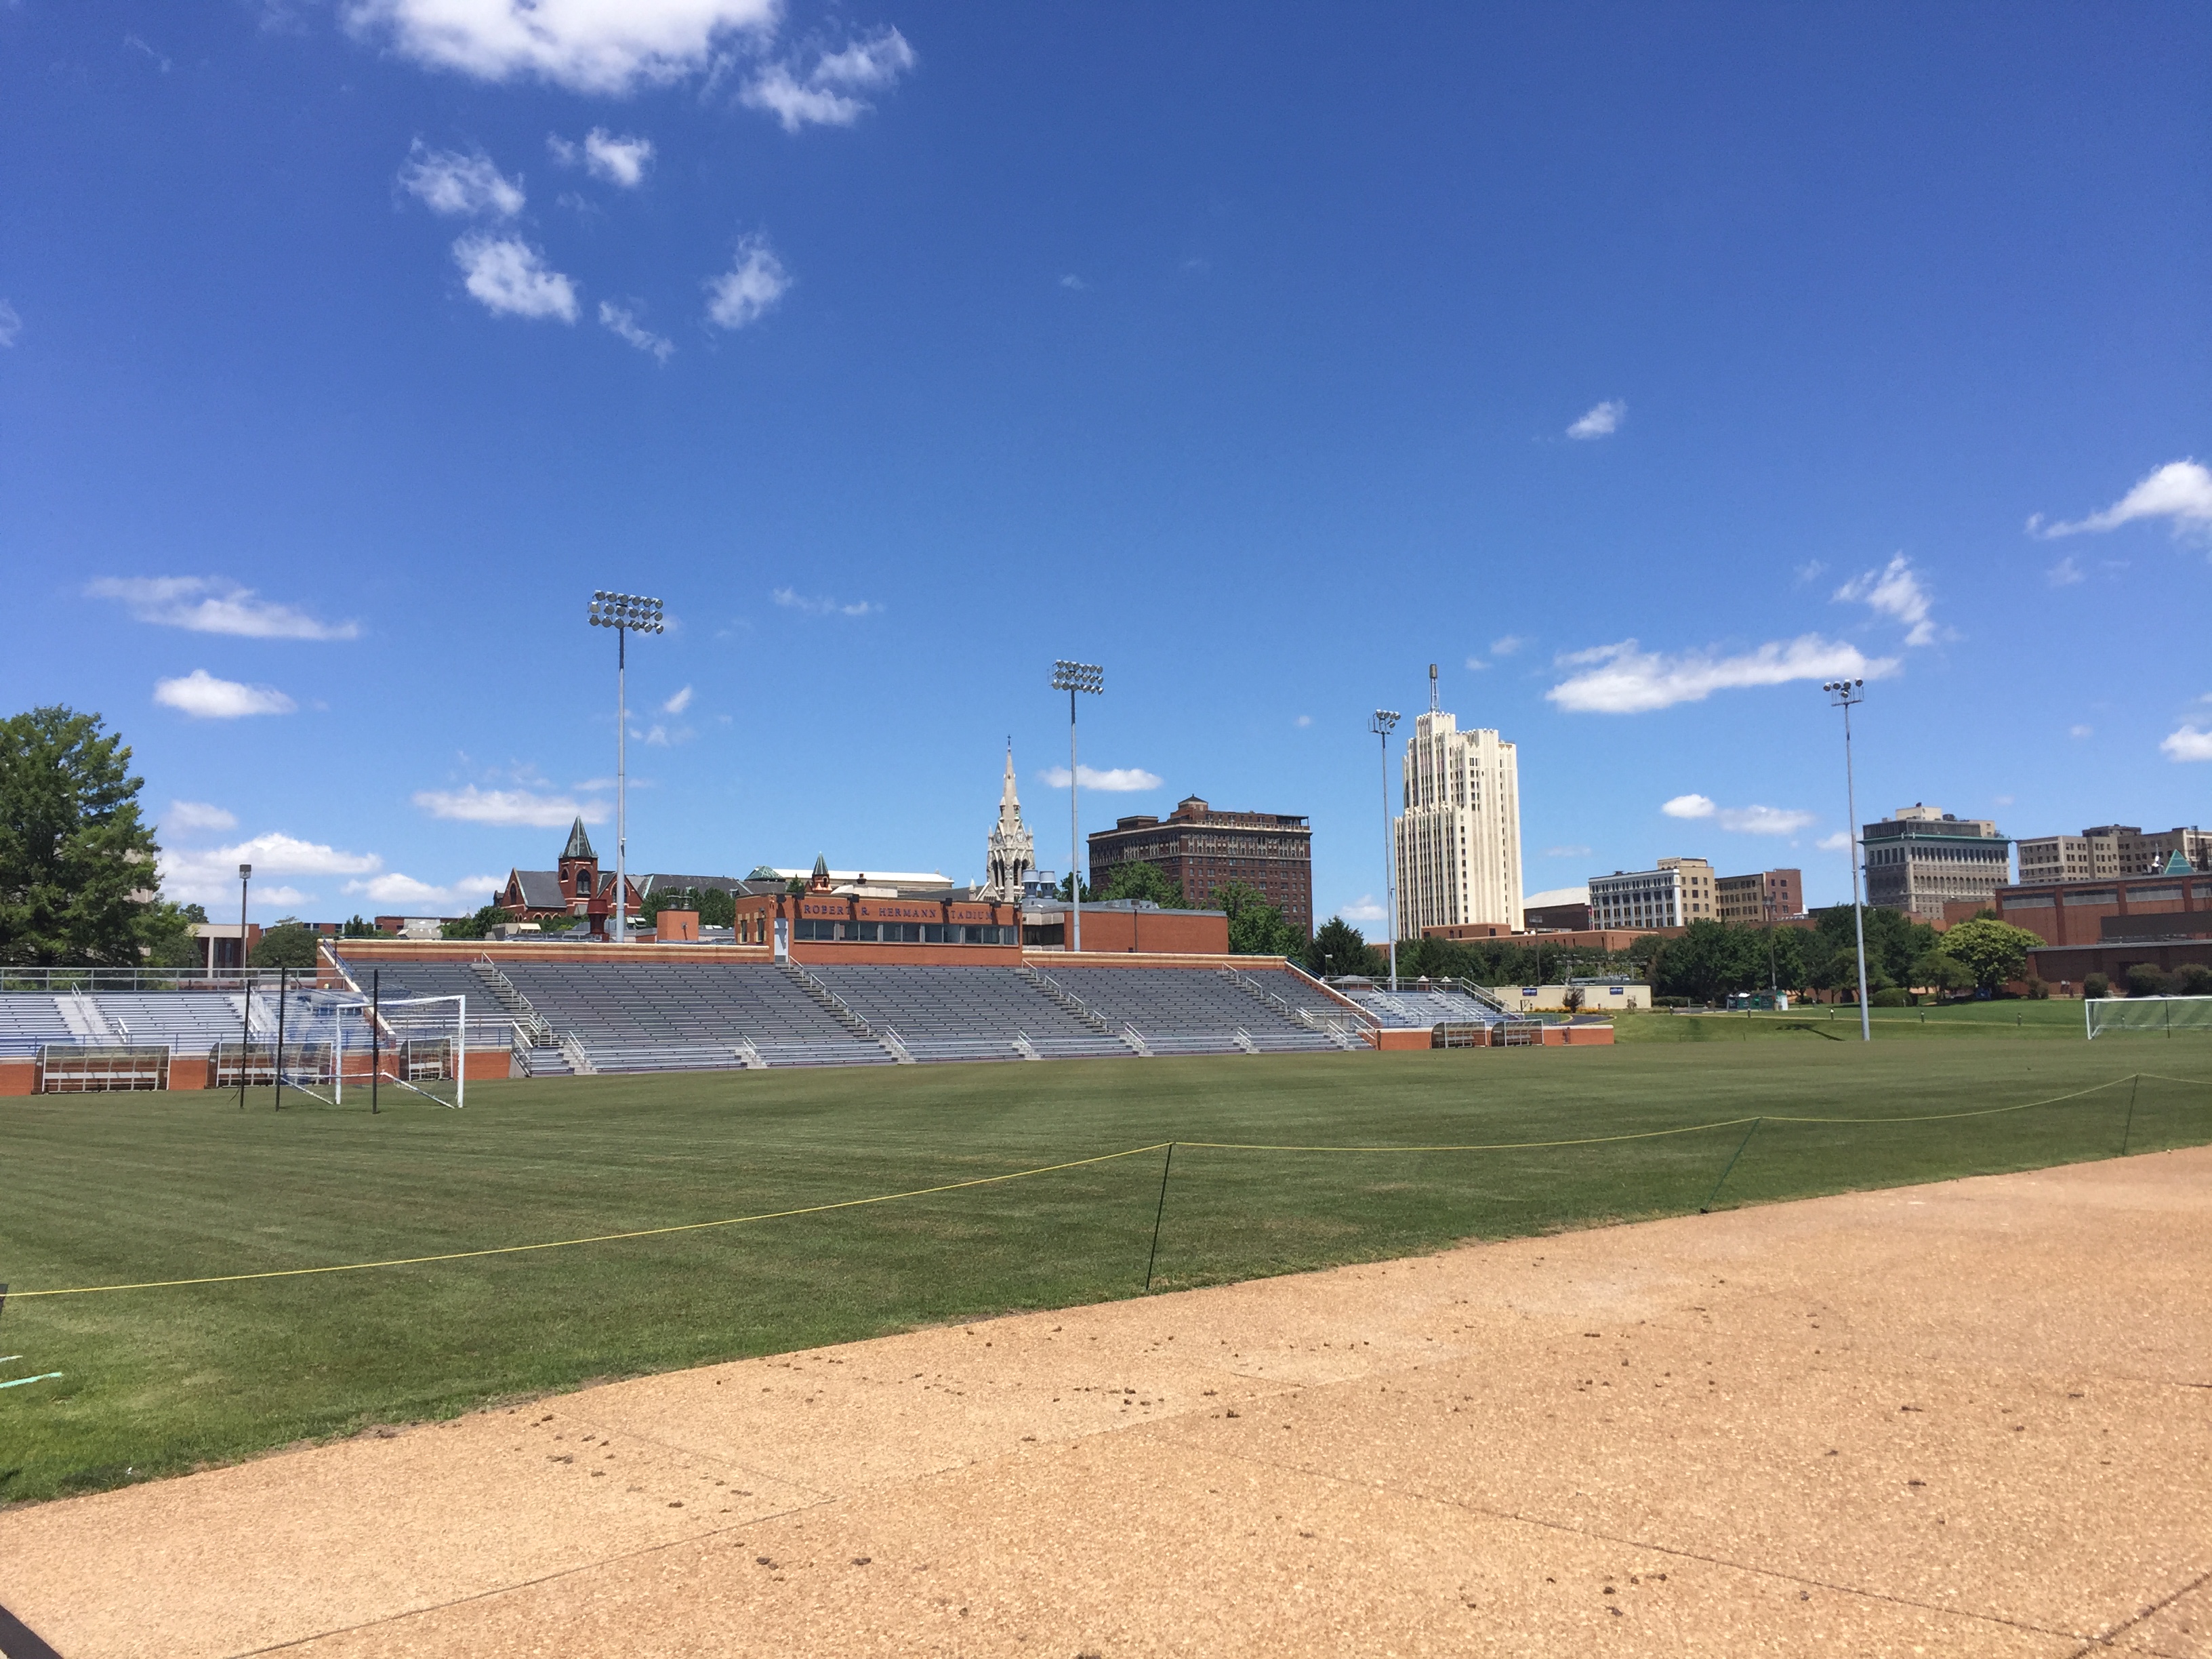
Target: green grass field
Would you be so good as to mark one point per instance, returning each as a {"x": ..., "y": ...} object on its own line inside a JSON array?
[
  {"x": 2057, "y": 1020},
  {"x": 105, "y": 1189}
]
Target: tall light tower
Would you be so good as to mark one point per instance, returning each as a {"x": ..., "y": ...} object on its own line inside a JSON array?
[
  {"x": 245, "y": 989},
  {"x": 625, "y": 613},
  {"x": 1072, "y": 678},
  {"x": 1846, "y": 695},
  {"x": 1384, "y": 721}
]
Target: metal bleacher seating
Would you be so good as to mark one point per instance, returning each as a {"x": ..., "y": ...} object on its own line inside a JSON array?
[
  {"x": 189, "y": 1021},
  {"x": 676, "y": 1016},
  {"x": 28, "y": 1019},
  {"x": 1435, "y": 1005},
  {"x": 966, "y": 1013},
  {"x": 1180, "y": 1011}
]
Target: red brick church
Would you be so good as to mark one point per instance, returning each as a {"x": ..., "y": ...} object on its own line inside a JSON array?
[{"x": 575, "y": 889}]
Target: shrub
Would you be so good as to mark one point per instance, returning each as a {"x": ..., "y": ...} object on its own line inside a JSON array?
[
  {"x": 2192, "y": 979},
  {"x": 2147, "y": 979},
  {"x": 1890, "y": 996},
  {"x": 2096, "y": 985},
  {"x": 2038, "y": 990}
]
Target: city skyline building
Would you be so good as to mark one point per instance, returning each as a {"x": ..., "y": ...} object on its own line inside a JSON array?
[
  {"x": 1201, "y": 850},
  {"x": 2107, "y": 852},
  {"x": 1674, "y": 893},
  {"x": 1918, "y": 859},
  {"x": 1457, "y": 835}
]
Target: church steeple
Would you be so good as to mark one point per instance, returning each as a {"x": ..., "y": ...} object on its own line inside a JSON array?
[{"x": 1011, "y": 852}]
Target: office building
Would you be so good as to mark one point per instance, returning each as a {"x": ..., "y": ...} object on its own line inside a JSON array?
[
  {"x": 1201, "y": 851},
  {"x": 1458, "y": 832},
  {"x": 1765, "y": 895},
  {"x": 1675, "y": 894},
  {"x": 2110, "y": 852},
  {"x": 1918, "y": 859}
]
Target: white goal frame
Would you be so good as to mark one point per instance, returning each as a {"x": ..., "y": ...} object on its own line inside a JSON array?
[
  {"x": 389, "y": 1044},
  {"x": 2163, "y": 1015}
]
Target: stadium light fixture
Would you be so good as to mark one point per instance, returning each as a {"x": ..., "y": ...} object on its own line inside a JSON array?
[
  {"x": 245, "y": 985},
  {"x": 1072, "y": 678},
  {"x": 626, "y": 614},
  {"x": 1384, "y": 722},
  {"x": 1846, "y": 695}
]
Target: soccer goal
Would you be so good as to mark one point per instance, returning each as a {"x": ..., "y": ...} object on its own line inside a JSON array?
[
  {"x": 421, "y": 1043},
  {"x": 2154, "y": 1016}
]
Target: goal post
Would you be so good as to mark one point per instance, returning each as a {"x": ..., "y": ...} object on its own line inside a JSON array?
[
  {"x": 421, "y": 1043},
  {"x": 2146, "y": 1016}
]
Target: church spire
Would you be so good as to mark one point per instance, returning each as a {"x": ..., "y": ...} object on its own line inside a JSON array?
[{"x": 1011, "y": 852}]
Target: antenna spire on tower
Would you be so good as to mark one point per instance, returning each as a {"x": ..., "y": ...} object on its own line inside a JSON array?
[{"x": 1432, "y": 688}]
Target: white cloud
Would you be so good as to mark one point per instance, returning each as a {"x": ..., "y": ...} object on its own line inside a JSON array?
[
  {"x": 1475, "y": 664},
  {"x": 1602, "y": 421},
  {"x": 824, "y": 607},
  {"x": 1120, "y": 780},
  {"x": 1895, "y": 591},
  {"x": 2186, "y": 743},
  {"x": 512, "y": 277},
  {"x": 1074, "y": 284},
  {"x": 1363, "y": 908},
  {"x": 679, "y": 703},
  {"x": 208, "y": 604},
  {"x": 2065, "y": 573},
  {"x": 1763, "y": 820},
  {"x": 204, "y": 697},
  {"x": 749, "y": 288},
  {"x": 1839, "y": 842},
  {"x": 508, "y": 806},
  {"x": 1619, "y": 679},
  {"x": 607, "y": 46},
  {"x": 1566, "y": 852},
  {"x": 410, "y": 897},
  {"x": 2081, "y": 731},
  {"x": 209, "y": 874},
  {"x": 2180, "y": 490},
  {"x": 198, "y": 815},
  {"x": 446, "y": 182},
  {"x": 1507, "y": 645},
  {"x": 619, "y": 161},
  {"x": 622, "y": 322},
  {"x": 827, "y": 94},
  {"x": 1689, "y": 806},
  {"x": 11, "y": 324},
  {"x": 1303, "y": 721},
  {"x": 1808, "y": 570}
]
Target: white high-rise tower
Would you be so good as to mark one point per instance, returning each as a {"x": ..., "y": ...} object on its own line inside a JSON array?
[
  {"x": 1011, "y": 853},
  {"x": 1459, "y": 836}
]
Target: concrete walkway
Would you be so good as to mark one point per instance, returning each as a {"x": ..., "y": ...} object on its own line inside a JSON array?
[{"x": 1973, "y": 1417}]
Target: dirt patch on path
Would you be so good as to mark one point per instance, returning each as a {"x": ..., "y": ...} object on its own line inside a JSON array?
[{"x": 1971, "y": 1418}]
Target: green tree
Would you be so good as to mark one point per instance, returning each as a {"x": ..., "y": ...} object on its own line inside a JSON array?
[
  {"x": 2192, "y": 979},
  {"x": 1940, "y": 971},
  {"x": 77, "y": 882},
  {"x": 1709, "y": 959},
  {"x": 357, "y": 928},
  {"x": 1993, "y": 951},
  {"x": 1339, "y": 948},
  {"x": 479, "y": 926},
  {"x": 289, "y": 944},
  {"x": 1068, "y": 882},
  {"x": 1141, "y": 881},
  {"x": 2147, "y": 979},
  {"x": 1256, "y": 929}
]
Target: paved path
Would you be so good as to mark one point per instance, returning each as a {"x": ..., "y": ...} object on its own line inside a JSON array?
[{"x": 1973, "y": 1417}]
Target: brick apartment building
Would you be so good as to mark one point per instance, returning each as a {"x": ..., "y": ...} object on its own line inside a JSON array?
[
  {"x": 1201, "y": 850},
  {"x": 1763, "y": 895}
]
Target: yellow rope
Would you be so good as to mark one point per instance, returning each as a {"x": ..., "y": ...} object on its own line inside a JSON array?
[
  {"x": 595, "y": 1238},
  {"x": 1492, "y": 1147}
]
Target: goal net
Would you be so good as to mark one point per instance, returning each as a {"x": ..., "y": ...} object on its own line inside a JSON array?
[
  {"x": 420, "y": 1045},
  {"x": 2148, "y": 1015}
]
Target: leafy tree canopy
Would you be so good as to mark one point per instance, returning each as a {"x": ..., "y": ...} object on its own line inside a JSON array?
[
  {"x": 1992, "y": 951},
  {"x": 78, "y": 886},
  {"x": 479, "y": 926},
  {"x": 1339, "y": 948},
  {"x": 289, "y": 944},
  {"x": 1256, "y": 929},
  {"x": 1140, "y": 881}
]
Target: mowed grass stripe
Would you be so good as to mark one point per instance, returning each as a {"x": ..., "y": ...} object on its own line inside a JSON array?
[{"x": 110, "y": 1188}]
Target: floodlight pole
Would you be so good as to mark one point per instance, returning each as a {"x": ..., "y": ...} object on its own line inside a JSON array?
[
  {"x": 244, "y": 986},
  {"x": 1843, "y": 694},
  {"x": 623, "y": 613},
  {"x": 1072, "y": 678},
  {"x": 1384, "y": 722}
]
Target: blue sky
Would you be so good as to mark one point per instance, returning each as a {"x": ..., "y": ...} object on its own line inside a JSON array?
[{"x": 1643, "y": 367}]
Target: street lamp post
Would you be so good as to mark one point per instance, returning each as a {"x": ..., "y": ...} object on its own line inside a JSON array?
[
  {"x": 1072, "y": 678},
  {"x": 244, "y": 986},
  {"x": 625, "y": 613},
  {"x": 1846, "y": 695},
  {"x": 1384, "y": 722}
]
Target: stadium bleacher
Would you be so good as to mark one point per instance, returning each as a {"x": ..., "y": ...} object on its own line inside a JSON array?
[
  {"x": 28, "y": 1019},
  {"x": 1182, "y": 1011},
  {"x": 1437, "y": 1006},
  {"x": 966, "y": 1013}
]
